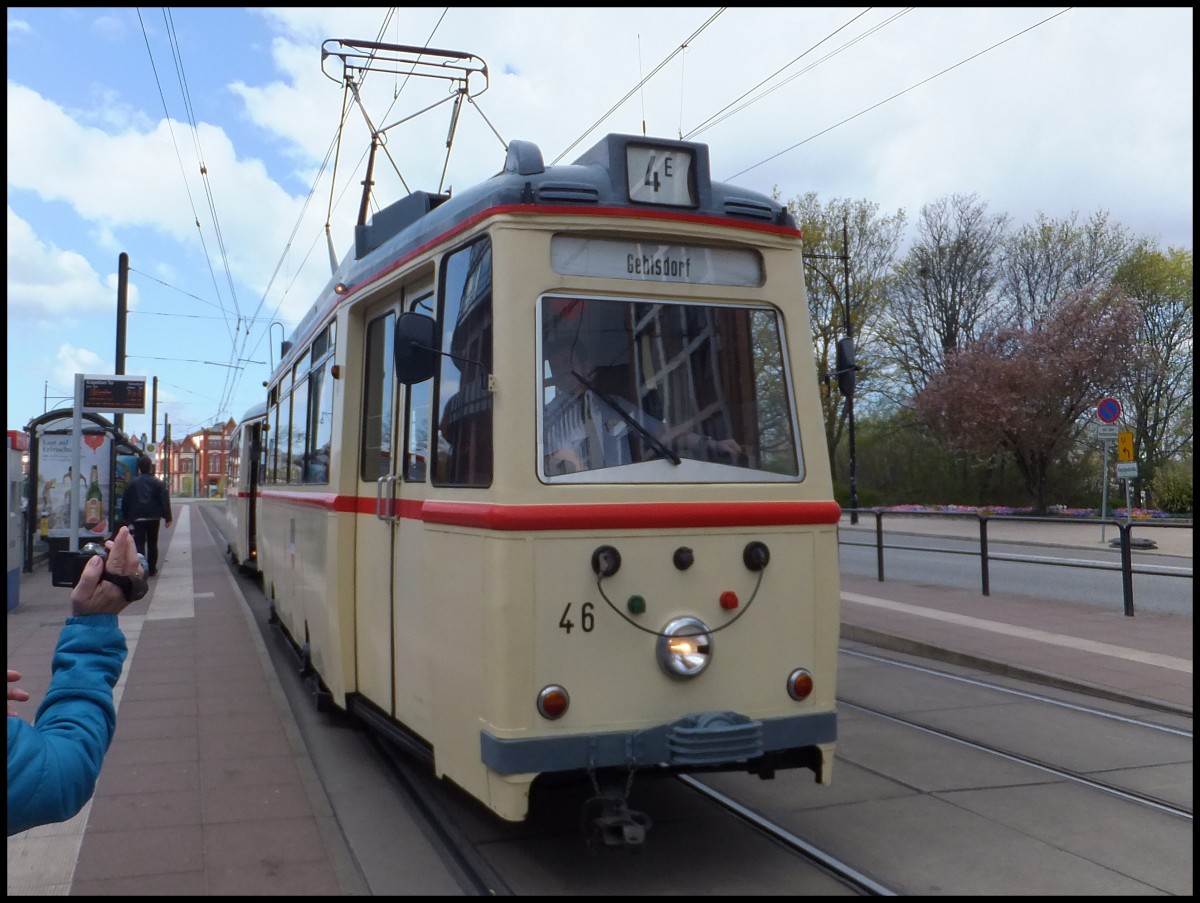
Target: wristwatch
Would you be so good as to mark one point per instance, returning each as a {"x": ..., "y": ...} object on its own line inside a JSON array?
[{"x": 134, "y": 587}]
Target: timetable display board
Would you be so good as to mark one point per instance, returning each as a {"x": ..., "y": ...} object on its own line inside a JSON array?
[{"x": 125, "y": 394}]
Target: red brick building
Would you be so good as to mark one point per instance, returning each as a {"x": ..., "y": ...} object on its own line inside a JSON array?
[{"x": 194, "y": 466}]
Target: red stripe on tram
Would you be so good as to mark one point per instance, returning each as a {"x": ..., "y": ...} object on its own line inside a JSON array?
[{"x": 580, "y": 517}]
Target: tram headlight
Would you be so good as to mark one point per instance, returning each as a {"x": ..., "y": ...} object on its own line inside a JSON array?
[{"x": 685, "y": 647}]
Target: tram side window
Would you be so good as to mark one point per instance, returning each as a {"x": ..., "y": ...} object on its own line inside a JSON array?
[
  {"x": 378, "y": 385},
  {"x": 271, "y": 459},
  {"x": 416, "y": 413},
  {"x": 463, "y": 393},
  {"x": 266, "y": 469},
  {"x": 233, "y": 468},
  {"x": 299, "y": 432},
  {"x": 321, "y": 425}
]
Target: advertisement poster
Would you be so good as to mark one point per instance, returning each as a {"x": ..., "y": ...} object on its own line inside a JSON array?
[
  {"x": 126, "y": 470},
  {"x": 55, "y": 481}
]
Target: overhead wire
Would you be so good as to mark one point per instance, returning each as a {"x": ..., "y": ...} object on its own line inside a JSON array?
[
  {"x": 185, "y": 93},
  {"x": 718, "y": 117},
  {"x": 178, "y": 155},
  {"x": 179, "y": 158},
  {"x": 911, "y": 87},
  {"x": 721, "y": 115},
  {"x": 226, "y": 394},
  {"x": 674, "y": 53},
  {"x": 331, "y": 152}
]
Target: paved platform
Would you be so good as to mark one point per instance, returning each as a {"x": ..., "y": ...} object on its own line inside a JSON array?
[
  {"x": 213, "y": 786},
  {"x": 208, "y": 787}
]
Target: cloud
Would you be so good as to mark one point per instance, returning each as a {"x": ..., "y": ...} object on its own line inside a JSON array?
[
  {"x": 71, "y": 360},
  {"x": 47, "y": 283},
  {"x": 232, "y": 212}
]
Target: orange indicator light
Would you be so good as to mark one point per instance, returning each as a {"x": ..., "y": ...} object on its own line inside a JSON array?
[
  {"x": 553, "y": 702},
  {"x": 800, "y": 684}
]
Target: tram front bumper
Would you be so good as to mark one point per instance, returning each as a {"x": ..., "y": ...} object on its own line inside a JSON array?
[{"x": 709, "y": 740}]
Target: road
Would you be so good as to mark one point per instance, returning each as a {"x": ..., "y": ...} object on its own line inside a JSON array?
[{"x": 1161, "y": 582}]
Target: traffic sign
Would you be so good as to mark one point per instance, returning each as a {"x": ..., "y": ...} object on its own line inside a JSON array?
[
  {"x": 1127, "y": 471},
  {"x": 1108, "y": 410},
  {"x": 1107, "y": 431},
  {"x": 1125, "y": 447}
]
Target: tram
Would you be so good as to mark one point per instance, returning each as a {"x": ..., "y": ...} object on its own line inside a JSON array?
[{"x": 544, "y": 487}]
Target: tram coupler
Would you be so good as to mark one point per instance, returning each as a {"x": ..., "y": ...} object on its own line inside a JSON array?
[{"x": 608, "y": 819}]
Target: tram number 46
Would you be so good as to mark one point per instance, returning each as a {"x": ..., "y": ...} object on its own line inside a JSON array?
[{"x": 587, "y": 621}]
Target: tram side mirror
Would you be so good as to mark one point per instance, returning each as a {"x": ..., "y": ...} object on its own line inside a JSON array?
[
  {"x": 415, "y": 354},
  {"x": 846, "y": 370}
]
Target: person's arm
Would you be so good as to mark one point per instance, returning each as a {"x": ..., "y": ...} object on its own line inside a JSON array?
[
  {"x": 166, "y": 501},
  {"x": 53, "y": 764}
]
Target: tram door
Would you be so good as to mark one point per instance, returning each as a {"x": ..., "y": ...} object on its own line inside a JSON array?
[
  {"x": 253, "y": 452},
  {"x": 391, "y": 476},
  {"x": 373, "y": 610}
]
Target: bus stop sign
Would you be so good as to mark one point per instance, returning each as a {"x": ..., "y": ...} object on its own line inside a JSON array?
[{"x": 1109, "y": 410}]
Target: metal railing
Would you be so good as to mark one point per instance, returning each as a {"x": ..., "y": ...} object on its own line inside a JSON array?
[{"x": 1124, "y": 525}]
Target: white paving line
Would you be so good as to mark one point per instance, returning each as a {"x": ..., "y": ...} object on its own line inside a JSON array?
[
  {"x": 174, "y": 591},
  {"x": 1170, "y": 662}
]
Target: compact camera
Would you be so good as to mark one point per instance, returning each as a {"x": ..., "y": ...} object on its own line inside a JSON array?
[{"x": 67, "y": 567}]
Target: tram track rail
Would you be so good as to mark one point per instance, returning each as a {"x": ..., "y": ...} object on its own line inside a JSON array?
[
  {"x": 1148, "y": 800},
  {"x": 836, "y": 868},
  {"x": 1057, "y": 771}
]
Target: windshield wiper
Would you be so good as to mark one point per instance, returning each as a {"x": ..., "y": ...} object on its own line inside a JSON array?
[{"x": 646, "y": 434}]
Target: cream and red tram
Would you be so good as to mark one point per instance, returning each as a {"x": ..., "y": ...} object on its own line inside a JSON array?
[{"x": 518, "y": 588}]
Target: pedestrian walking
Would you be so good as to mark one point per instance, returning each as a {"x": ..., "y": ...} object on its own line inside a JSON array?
[{"x": 144, "y": 503}]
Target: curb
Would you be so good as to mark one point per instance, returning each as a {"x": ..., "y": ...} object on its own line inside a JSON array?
[{"x": 895, "y": 643}]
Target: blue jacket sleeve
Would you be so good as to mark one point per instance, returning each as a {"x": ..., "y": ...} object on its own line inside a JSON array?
[{"x": 53, "y": 764}]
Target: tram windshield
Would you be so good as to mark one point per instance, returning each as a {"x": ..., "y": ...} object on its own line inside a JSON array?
[{"x": 634, "y": 391}]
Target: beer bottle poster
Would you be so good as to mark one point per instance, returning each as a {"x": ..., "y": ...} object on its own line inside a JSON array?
[{"x": 54, "y": 483}]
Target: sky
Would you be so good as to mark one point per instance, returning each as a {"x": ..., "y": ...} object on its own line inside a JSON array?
[{"x": 198, "y": 142}]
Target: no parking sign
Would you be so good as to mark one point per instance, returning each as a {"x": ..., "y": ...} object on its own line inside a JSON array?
[{"x": 1108, "y": 410}]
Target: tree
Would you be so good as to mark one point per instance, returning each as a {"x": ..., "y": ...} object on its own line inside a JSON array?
[
  {"x": 941, "y": 296},
  {"x": 1027, "y": 392},
  {"x": 1158, "y": 384},
  {"x": 1049, "y": 258},
  {"x": 873, "y": 243}
]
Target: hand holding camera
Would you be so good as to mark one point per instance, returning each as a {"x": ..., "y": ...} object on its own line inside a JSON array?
[{"x": 111, "y": 578}]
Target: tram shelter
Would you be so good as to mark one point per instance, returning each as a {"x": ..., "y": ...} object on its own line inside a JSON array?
[{"x": 108, "y": 461}]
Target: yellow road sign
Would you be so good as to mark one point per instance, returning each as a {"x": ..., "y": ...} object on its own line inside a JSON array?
[{"x": 1124, "y": 447}]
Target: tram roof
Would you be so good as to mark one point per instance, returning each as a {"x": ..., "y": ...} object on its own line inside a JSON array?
[{"x": 599, "y": 178}]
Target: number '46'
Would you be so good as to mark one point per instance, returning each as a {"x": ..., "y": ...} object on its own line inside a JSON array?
[{"x": 587, "y": 620}]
